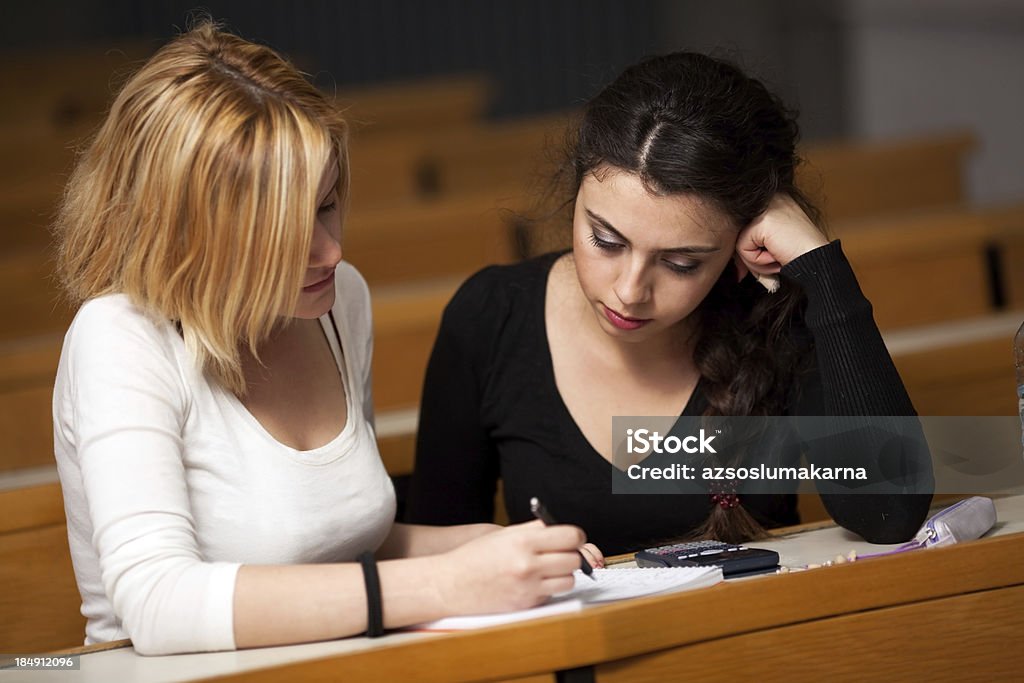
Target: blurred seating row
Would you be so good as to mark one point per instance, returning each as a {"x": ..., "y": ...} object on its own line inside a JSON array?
[{"x": 921, "y": 255}]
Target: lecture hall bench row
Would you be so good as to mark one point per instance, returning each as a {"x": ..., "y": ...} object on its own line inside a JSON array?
[{"x": 925, "y": 269}]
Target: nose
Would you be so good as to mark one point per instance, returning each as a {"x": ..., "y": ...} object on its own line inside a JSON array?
[
  {"x": 324, "y": 248},
  {"x": 633, "y": 287}
]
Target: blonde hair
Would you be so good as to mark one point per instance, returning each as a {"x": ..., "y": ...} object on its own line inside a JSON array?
[{"x": 197, "y": 197}]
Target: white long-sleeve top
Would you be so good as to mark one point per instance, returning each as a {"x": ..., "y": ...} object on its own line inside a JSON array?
[{"x": 170, "y": 484}]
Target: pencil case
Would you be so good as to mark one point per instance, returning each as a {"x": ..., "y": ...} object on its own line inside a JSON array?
[{"x": 963, "y": 521}]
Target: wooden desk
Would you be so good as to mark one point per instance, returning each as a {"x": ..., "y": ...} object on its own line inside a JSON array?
[{"x": 953, "y": 613}]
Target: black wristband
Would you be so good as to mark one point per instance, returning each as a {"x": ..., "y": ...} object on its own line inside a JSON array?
[{"x": 374, "y": 604}]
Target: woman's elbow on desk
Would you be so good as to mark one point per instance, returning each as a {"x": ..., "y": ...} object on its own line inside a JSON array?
[
  {"x": 882, "y": 519},
  {"x": 186, "y": 607}
]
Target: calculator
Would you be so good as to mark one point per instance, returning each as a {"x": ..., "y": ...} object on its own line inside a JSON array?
[{"x": 735, "y": 560}]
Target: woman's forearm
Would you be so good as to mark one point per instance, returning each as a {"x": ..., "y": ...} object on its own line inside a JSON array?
[
  {"x": 282, "y": 604},
  {"x": 417, "y": 540},
  {"x": 276, "y": 605}
]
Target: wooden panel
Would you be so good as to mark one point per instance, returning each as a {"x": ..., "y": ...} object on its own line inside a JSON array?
[
  {"x": 60, "y": 90},
  {"x": 25, "y": 220},
  {"x": 29, "y": 362},
  {"x": 398, "y": 453},
  {"x": 39, "y": 162},
  {"x": 513, "y": 160},
  {"x": 723, "y": 612},
  {"x": 392, "y": 128},
  {"x": 426, "y": 104},
  {"x": 921, "y": 267},
  {"x": 1007, "y": 225},
  {"x": 385, "y": 171},
  {"x": 27, "y": 426},
  {"x": 27, "y": 370},
  {"x": 30, "y": 507},
  {"x": 957, "y": 638},
  {"x": 1013, "y": 272},
  {"x": 30, "y": 299},
  {"x": 517, "y": 159},
  {"x": 909, "y": 291},
  {"x": 855, "y": 179},
  {"x": 95, "y": 647},
  {"x": 500, "y": 513},
  {"x": 405, "y": 326},
  {"x": 39, "y": 600},
  {"x": 974, "y": 378},
  {"x": 454, "y": 237},
  {"x": 810, "y": 508}
]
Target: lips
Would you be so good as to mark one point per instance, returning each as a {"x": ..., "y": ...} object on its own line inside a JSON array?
[
  {"x": 320, "y": 284},
  {"x": 621, "y": 321}
]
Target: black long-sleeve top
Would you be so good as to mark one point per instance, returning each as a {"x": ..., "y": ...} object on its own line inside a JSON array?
[{"x": 491, "y": 409}]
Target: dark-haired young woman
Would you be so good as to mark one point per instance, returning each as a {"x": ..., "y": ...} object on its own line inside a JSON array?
[{"x": 684, "y": 197}]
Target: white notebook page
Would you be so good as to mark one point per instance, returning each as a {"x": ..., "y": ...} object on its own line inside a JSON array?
[{"x": 611, "y": 585}]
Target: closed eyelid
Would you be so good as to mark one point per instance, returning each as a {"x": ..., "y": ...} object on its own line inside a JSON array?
[
  {"x": 676, "y": 264},
  {"x": 329, "y": 197},
  {"x": 605, "y": 236},
  {"x": 599, "y": 223},
  {"x": 604, "y": 230}
]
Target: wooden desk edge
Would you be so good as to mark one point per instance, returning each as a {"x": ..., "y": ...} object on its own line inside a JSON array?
[{"x": 626, "y": 629}]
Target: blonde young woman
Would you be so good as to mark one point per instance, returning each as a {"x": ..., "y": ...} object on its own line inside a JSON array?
[{"x": 213, "y": 421}]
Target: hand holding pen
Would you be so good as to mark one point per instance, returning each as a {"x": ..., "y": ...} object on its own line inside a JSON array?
[{"x": 541, "y": 513}]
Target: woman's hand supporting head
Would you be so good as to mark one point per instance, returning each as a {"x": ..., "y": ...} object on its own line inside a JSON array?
[{"x": 779, "y": 235}]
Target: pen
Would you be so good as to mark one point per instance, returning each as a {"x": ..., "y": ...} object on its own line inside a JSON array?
[{"x": 541, "y": 513}]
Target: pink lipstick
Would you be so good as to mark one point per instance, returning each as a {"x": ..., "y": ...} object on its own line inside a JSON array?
[{"x": 621, "y": 321}]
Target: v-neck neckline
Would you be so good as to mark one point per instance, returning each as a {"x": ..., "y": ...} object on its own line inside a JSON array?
[{"x": 694, "y": 404}]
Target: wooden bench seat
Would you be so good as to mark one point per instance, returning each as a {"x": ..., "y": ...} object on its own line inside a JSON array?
[
  {"x": 27, "y": 371},
  {"x": 922, "y": 267},
  {"x": 856, "y": 179},
  {"x": 405, "y": 321},
  {"x": 849, "y": 179},
  {"x": 961, "y": 368},
  {"x": 513, "y": 157},
  {"x": 449, "y": 238},
  {"x": 65, "y": 89},
  {"x": 1007, "y": 225},
  {"x": 919, "y": 269},
  {"x": 31, "y": 303},
  {"x": 426, "y": 104},
  {"x": 501, "y": 160},
  {"x": 40, "y": 600},
  {"x": 940, "y": 265},
  {"x": 515, "y": 160}
]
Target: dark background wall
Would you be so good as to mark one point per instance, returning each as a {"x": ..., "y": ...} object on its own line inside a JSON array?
[
  {"x": 543, "y": 54},
  {"x": 862, "y": 69}
]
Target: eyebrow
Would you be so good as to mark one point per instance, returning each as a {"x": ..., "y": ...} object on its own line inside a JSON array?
[{"x": 675, "y": 250}]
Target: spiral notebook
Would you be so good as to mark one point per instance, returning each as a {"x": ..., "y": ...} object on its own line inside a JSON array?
[{"x": 611, "y": 585}]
